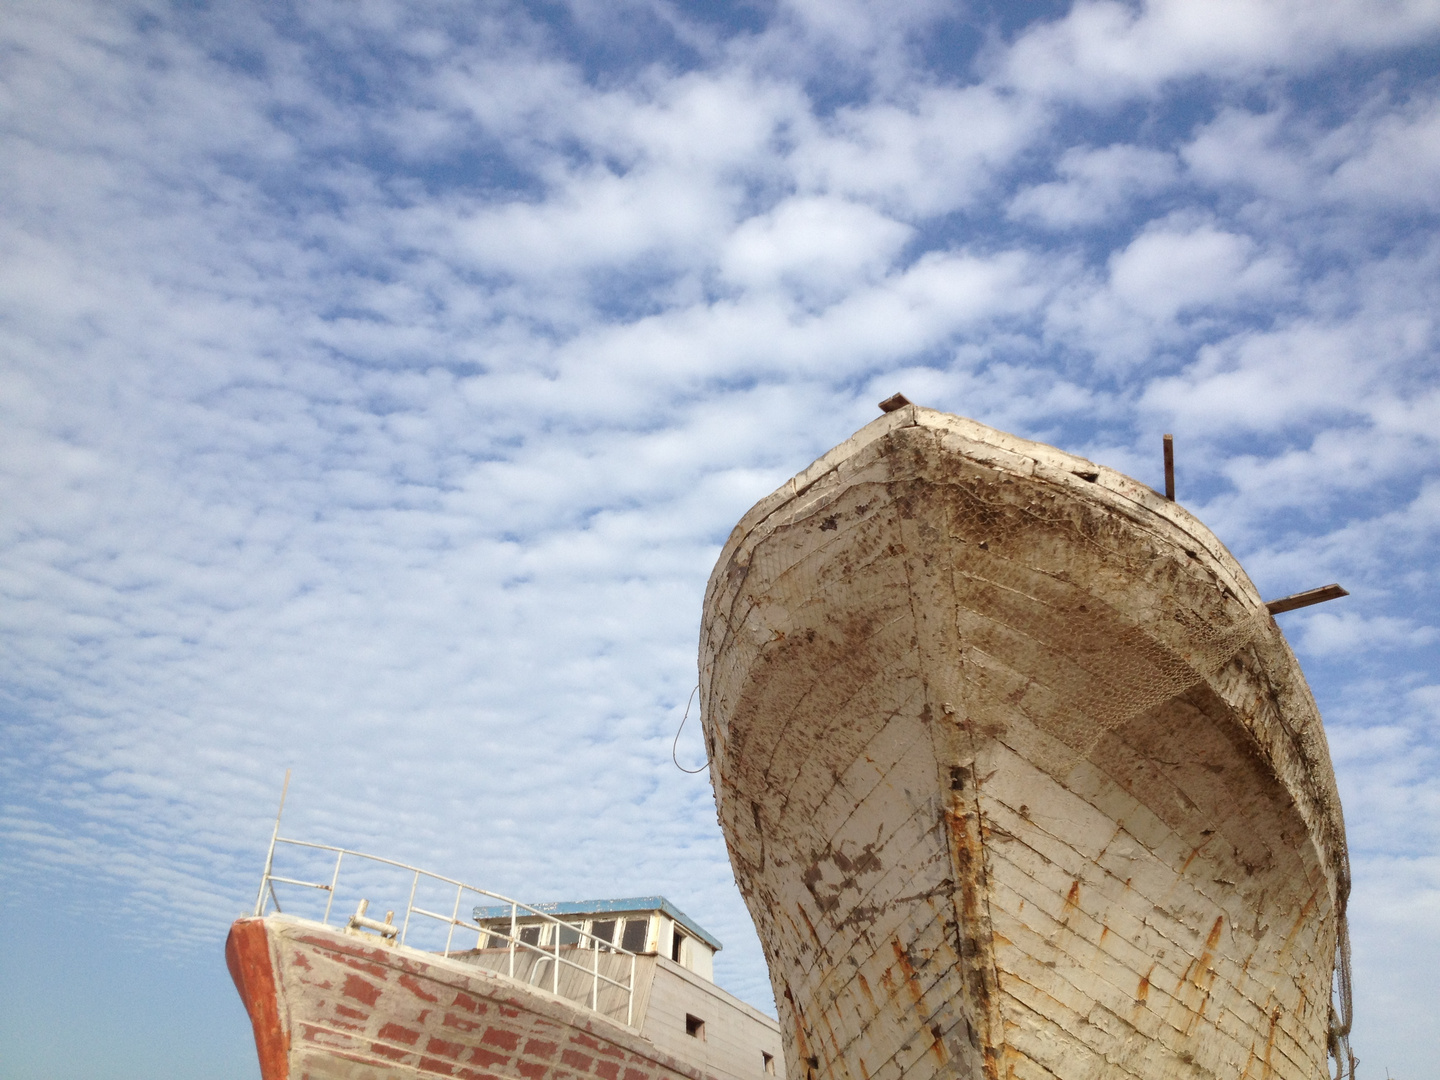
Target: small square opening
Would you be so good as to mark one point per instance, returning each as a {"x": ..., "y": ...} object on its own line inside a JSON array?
[
  {"x": 694, "y": 1027},
  {"x": 769, "y": 1063}
]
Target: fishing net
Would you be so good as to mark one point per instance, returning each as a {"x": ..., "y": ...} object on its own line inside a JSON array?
[{"x": 1341, "y": 1017}]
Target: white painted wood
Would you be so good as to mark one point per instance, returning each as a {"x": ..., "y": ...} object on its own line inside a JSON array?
[{"x": 1018, "y": 776}]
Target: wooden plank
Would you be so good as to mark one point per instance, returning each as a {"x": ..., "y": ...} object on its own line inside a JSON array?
[{"x": 1305, "y": 599}]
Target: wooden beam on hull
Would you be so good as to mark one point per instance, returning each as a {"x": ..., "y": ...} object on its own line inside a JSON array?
[{"x": 1305, "y": 599}]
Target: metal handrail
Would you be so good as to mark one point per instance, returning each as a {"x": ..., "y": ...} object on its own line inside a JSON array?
[{"x": 512, "y": 940}]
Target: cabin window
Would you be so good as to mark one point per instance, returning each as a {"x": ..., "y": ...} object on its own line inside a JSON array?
[
  {"x": 602, "y": 932},
  {"x": 569, "y": 935},
  {"x": 769, "y": 1062},
  {"x": 636, "y": 931},
  {"x": 694, "y": 1027},
  {"x": 675, "y": 946},
  {"x": 530, "y": 935}
]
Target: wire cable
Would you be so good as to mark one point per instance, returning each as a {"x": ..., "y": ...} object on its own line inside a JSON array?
[{"x": 674, "y": 747}]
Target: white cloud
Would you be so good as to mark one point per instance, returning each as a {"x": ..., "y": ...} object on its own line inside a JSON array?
[
  {"x": 1102, "y": 50},
  {"x": 1239, "y": 147},
  {"x": 1095, "y": 184},
  {"x": 1386, "y": 159},
  {"x": 820, "y": 244},
  {"x": 1174, "y": 282},
  {"x": 1326, "y": 634},
  {"x": 937, "y": 152},
  {"x": 1398, "y": 160},
  {"x": 1166, "y": 271}
]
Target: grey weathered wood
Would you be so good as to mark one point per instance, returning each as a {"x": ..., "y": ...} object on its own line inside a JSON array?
[{"x": 1305, "y": 599}]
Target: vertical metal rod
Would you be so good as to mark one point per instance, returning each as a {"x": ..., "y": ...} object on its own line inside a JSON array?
[
  {"x": 414, "y": 884},
  {"x": 1170, "y": 467},
  {"x": 270, "y": 855},
  {"x": 453, "y": 916},
  {"x": 512, "y": 939},
  {"x": 334, "y": 879},
  {"x": 595, "y": 976},
  {"x": 555, "y": 975},
  {"x": 630, "y": 995}
]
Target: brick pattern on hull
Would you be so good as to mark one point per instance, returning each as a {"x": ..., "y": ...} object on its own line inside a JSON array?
[
  {"x": 1018, "y": 777},
  {"x": 351, "y": 1010}
]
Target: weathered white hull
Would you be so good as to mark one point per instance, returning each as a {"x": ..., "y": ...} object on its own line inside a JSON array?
[{"x": 1018, "y": 776}]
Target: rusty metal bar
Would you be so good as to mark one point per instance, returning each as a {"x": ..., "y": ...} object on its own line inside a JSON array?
[
  {"x": 1170, "y": 467},
  {"x": 1305, "y": 599}
]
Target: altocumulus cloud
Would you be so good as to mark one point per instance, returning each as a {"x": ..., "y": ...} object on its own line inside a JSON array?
[{"x": 380, "y": 380}]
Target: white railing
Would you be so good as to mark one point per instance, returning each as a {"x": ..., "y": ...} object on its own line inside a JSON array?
[{"x": 588, "y": 980}]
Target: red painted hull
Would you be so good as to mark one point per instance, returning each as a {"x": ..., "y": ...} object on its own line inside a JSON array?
[{"x": 329, "y": 1005}]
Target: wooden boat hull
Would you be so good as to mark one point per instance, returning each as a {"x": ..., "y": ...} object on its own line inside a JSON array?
[
  {"x": 1018, "y": 776},
  {"x": 326, "y": 1004}
]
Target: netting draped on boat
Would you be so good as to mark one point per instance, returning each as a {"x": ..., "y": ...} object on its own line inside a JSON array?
[
  {"x": 1121, "y": 659},
  {"x": 1120, "y": 664},
  {"x": 1341, "y": 1018}
]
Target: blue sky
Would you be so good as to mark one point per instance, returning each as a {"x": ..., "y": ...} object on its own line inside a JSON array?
[{"x": 379, "y": 380}]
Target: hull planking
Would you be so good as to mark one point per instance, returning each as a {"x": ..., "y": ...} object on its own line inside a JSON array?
[{"x": 1018, "y": 776}]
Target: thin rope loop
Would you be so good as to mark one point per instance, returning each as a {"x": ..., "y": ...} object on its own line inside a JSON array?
[{"x": 676, "y": 744}]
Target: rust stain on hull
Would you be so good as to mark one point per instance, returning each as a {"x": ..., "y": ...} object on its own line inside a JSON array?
[{"x": 247, "y": 955}]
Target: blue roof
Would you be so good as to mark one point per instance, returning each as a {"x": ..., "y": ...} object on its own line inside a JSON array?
[{"x": 608, "y": 907}]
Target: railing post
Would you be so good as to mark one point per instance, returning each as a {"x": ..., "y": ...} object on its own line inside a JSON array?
[
  {"x": 453, "y": 916},
  {"x": 595, "y": 976},
  {"x": 414, "y": 884},
  {"x": 555, "y": 975},
  {"x": 334, "y": 879},
  {"x": 512, "y": 939},
  {"x": 630, "y": 995},
  {"x": 270, "y": 855}
]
